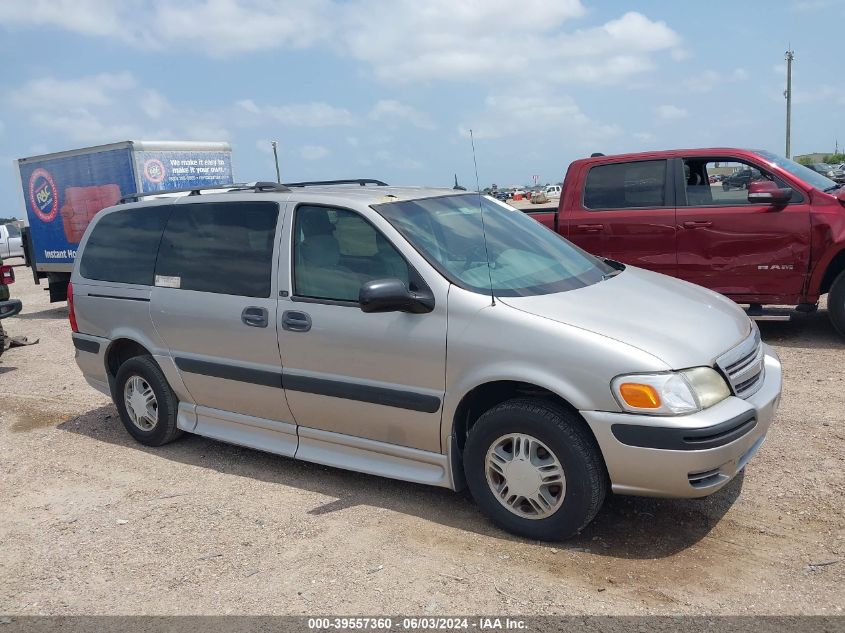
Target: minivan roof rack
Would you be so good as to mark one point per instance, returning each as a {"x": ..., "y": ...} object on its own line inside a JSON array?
[
  {"x": 257, "y": 187},
  {"x": 352, "y": 181}
]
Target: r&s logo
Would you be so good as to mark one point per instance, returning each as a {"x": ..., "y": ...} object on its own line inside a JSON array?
[
  {"x": 43, "y": 195},
  {"x": 154, "y": 170}
]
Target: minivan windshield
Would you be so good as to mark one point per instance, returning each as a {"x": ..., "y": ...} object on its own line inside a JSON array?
[
  {"x": 812, "y": 178},
  {"x": 525, "y": 257}
]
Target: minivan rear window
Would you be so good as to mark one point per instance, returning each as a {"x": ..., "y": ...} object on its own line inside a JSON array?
[
  {"x": 122, "y": 246},
  {"x": 220, "y": 247}
]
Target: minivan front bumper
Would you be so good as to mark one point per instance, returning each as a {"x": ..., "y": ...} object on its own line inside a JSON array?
[{"x": 687, "y": 456}]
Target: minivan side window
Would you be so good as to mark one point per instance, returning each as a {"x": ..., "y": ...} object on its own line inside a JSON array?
[
  {"x": 336, "y": 251},
  {"x": 123, "y": 244},
  {"x": 219, "y": 247},
  {"x": 640, "y": 184}
]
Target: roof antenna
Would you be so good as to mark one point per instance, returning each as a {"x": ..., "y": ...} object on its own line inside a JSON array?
[{"x": 481, "y": 209}]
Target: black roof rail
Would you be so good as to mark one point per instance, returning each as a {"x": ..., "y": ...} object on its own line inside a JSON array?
[
  {"x": 352, "y": 181},
  {"x": 257, "y": 187}
]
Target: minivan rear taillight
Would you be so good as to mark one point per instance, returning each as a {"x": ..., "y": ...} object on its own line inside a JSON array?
[
  {"x": 71, "y": 313},
  {"x": 7, "y": 275}
]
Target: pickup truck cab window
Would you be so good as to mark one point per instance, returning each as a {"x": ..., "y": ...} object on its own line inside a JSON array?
[
  {"x": 629, "y": 185},
  {"x": 704, "y": 189},
  {"x": 525, "y": 258}
]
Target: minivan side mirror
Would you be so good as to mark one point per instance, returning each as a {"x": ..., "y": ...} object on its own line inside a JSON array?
[
  {"x": 767, "y": 192},
  {"x": 391, "y": 295}
]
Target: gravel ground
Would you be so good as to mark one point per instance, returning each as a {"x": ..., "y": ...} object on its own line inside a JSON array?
[{"x": 94, "y": 523}]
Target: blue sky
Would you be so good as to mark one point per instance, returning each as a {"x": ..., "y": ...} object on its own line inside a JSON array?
[{"x": 389, "y": 88}]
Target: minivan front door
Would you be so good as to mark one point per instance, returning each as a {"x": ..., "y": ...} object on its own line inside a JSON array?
[
  {"x": 348, "y": 373},
  {"x": 214, "y": 303}
]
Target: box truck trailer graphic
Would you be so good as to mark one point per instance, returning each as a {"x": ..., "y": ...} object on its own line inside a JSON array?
[{"x": 62, "y": 192}]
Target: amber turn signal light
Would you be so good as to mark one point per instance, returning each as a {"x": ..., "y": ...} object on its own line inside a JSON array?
[{"x": 639, "y": 396}]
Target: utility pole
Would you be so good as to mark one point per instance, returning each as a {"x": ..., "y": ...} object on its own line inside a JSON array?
[
  {"x": 789, "y": 56},
  {"x": 276, "y": 158}
]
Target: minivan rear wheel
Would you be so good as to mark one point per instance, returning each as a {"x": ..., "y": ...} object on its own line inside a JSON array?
[
  {"x": 534, "y": 469},
  {"x": 836, "y": 303},
  {"x": 146, "y": 403}
]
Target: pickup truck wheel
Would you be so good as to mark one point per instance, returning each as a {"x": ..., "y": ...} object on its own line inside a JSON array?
[
  {"x": 836, "y": 303},
  {"x": 146, "y": 404},
  {"x": 534, "y": 469}
]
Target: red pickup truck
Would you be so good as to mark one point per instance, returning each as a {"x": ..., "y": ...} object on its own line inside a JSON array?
[{"x": 770, "y": 232}]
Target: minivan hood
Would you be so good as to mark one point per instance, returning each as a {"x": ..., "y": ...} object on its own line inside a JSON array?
[{"x": 681, "y": 324}]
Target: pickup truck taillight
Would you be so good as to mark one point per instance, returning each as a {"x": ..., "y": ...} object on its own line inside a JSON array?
[
  {"x": 71, "y": 313},
  {"x": 7, "y": 275}
]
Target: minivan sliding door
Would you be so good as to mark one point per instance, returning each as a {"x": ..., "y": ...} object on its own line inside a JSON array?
[{"x": 214, "y": 303}]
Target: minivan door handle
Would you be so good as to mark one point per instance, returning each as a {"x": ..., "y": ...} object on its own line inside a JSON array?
[
  {"x": 295, "y": 321},
  {"x": 255, "y": 316},
  {"x": 697, "y": 224},
  {"x": 590, "y": 228}
]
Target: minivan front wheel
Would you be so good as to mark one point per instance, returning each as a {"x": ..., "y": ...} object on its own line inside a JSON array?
[
  {"x": 146, "y": 404},
  {"x": 534, "y": 469}
]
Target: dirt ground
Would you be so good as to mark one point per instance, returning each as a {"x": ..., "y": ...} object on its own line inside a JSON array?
[{"x": 93, "y": 523}]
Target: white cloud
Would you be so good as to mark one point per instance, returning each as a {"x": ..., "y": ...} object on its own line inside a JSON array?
[
  {"x": 216, "y": 28},
  {"x": 670, "y": 112},
  {"x": 813, "y": 5},
  {"x": 87, "y": 17},
  {"x": 154, "y": 104},
  {"x": 315, "y": 114},
  {"x": 109, "y": 107},
  {"x": 407, "y": 40},
  {"x": 352, "y": 140},
  {"x": 49, "y": 93},
  {"x": 707, "y": 80},
  {"x": 548, "y": 117},
  {"x": 401, "y": 40},
  {"x": 393, "y": 111},
  {"x": 219, "y": 28},
  {"x": 314, "y": 152}
]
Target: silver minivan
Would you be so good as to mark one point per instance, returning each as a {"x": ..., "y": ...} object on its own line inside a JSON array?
[{"x": 429, "y": 335}]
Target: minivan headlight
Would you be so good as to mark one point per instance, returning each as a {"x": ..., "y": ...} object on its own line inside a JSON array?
[{"x": 670, "y": 393}]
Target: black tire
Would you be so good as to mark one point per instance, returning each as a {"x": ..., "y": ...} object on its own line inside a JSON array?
[
  {"x": 565, "y": 434},
  {"x": 836, "y": 303},
  {"x": 725, "y": 186},
  {"x": 2, "y": 339},
  {"x": 165, "y": 429}
]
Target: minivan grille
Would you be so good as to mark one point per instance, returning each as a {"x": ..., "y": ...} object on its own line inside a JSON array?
[{"x": 744, "y": 366}]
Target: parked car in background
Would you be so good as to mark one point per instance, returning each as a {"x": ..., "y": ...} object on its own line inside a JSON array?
[
  {"x": 553, "y": 191},
  {"x": 740, "y": 179},
  {"x": 8, "y": 307},
  {"x": 11, "y": 244},
  {"x": 834, "y": 172},
  {"x": 311, "y": 322},
  {"x": 501, "y": 194},
  {"x": 781, "y": 241}
]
